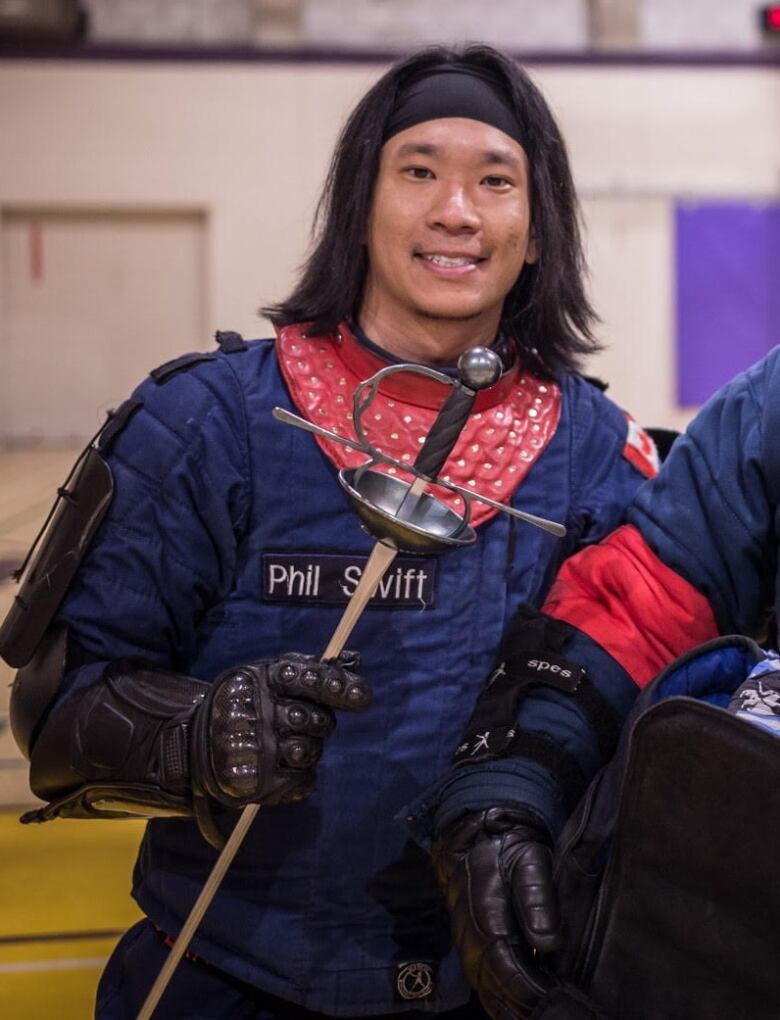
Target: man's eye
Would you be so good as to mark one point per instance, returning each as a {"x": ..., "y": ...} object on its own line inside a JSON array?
[
  {"x": 494, "y": 181},
  {"x": 419, "y": 173}
]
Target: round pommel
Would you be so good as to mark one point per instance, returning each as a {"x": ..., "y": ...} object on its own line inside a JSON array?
[{"x": 479, "y": 368}]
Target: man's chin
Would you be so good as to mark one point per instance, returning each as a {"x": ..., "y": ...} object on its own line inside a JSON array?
[{"x": 449, "y": 314}]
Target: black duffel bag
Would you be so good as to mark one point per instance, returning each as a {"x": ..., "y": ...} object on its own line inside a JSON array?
[{"x": 667, "y": 869}]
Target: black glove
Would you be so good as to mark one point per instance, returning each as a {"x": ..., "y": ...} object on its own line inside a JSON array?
[
  {"x": 260, "y": 731},
  {"x": 495, "y": 870}
]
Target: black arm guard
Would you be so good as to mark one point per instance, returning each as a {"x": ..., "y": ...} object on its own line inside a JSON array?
[
  {"x": 146, "y": 742},
  {"x": 118, "y": 748},
  {"x": 532, "y": 656},
  {"x": 62, "y": 542}
]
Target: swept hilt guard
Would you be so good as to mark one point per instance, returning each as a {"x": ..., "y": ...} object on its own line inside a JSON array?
[
  {"x": 406, "y": 515},
  {"x": 402, "y": 513}
]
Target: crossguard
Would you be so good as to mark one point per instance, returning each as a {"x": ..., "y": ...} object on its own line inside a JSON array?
[{"x": 392, "y": 510}]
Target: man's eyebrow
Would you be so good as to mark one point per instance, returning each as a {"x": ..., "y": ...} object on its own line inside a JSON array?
[
  {"x": 490, "y": 157},
  {"x": 418, "y": 149},
  {"x": 496, "y": 156}
]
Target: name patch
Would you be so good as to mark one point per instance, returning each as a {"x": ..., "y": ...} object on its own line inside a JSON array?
[{"x": 330, "y": 579}]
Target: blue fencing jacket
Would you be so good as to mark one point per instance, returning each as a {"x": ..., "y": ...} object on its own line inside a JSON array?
[{"x": 228, "y": 540}]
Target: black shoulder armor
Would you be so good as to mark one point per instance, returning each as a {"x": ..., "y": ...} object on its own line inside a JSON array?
[{"x": 61, "y": 543}]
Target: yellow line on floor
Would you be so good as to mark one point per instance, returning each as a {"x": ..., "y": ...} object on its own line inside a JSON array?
[
  {"x": 67, "y": 883},
  {"x": 87, "y": 963},
  {"x": 82, "y": 949},
  {"x": 44, "y": 980}
]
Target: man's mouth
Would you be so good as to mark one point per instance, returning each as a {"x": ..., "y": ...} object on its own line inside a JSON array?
[{"x": 451, "y": 261}]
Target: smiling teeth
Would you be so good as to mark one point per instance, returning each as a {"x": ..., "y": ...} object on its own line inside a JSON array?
[{"x": 446, "y": 260}]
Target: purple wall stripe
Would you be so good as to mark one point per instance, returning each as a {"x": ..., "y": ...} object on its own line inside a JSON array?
[{"x": 728, "y": 291}]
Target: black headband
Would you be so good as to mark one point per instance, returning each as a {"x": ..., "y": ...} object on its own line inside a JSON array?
[{"x": 453, "y": 90}]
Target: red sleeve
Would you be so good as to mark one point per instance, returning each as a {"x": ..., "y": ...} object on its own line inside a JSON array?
[{"x": 639, "y": 610}]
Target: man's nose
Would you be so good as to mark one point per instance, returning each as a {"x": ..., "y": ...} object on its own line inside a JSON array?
[{"x": 454, "y": 210}]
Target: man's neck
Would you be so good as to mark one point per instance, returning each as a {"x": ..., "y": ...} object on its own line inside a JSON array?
[{"x": 428, "y": 341}]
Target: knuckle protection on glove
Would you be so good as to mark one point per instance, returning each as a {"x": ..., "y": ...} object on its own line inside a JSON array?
[
  {"x": 302, "y": 717},
  {"x": 233, "y": 735},
  {"x": 300, "y": 752},
  {"x": 255, "y": 747},
  {"x": 261, "y": 730},
  {"x": 234, "y": 702},
  {"x": 332, "y": 682}
]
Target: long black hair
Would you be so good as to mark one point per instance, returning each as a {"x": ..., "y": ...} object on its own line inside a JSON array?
[{"x": 547, "y": 311}]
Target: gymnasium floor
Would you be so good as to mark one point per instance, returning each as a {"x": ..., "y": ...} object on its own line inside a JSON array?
[{"x": 64, "y": 886}]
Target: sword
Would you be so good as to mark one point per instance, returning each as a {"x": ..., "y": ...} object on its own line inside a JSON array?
[{"x": 401, "y": 516}]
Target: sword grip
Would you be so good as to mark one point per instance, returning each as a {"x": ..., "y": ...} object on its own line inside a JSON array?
[
  {"x": 479, "y": 368},
  {"x": 444, "y": 432}
]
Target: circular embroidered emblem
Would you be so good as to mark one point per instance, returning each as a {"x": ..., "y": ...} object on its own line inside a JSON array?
[{"x": 415, "y": 980}]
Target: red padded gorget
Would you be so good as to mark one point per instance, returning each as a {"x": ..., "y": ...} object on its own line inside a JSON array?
[{"x": 508, "y": 429}]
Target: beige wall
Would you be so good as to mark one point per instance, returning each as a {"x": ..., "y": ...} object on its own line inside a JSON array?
[{"x": 247, "y": 145}]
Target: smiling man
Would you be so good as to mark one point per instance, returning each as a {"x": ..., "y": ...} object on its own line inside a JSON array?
[
  {"x": 164, "y": 684},
  {"x": 449, "y": 233}
]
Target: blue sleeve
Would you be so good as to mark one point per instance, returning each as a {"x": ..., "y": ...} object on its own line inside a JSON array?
[
  {"x": 712, "y": 517},
  {"x": 607, "y": 464},
  {"x": 711, "y": 514},
  {"x": 166, "y": 551},
  {"x": 603, "y": 483}
]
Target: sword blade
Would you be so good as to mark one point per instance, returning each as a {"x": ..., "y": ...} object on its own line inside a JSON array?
[
  {"x": 206, "y": 895},
  {"x": 381, "y": 557}
]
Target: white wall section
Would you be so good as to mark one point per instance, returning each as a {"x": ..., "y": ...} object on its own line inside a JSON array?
[{"x": 247, "y": 146}]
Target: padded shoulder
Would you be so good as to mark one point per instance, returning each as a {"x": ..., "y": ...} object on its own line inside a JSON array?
[
  {"x": 609, "y": 458},
  {"x": 229, "y": 342},
  {"x": 168, "y": 547},
  {"x": 592, "y": 411},
  {"x": 170, "y": 368},
  {"x": 194, "y": 399}
]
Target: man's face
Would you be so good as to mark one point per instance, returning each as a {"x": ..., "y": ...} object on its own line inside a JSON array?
[{"x": 448, "y": 235}]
